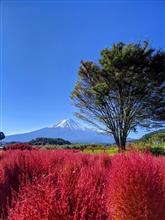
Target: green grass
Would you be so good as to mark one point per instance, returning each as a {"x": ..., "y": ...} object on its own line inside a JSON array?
[
  {"x": 110, "y": 151},
  {"x": 88, "y": 150}
]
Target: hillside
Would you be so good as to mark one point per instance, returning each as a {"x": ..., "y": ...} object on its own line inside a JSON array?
[
  {"x": 154, "y": 137},
  {"x": 51, "y": 141}
]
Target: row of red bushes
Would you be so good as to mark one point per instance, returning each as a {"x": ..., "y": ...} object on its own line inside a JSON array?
[
  {"x": 62, "y": 185},
  {"x": 19, "y": 146}
]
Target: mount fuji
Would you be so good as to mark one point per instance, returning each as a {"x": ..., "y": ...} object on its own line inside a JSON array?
[
  {"x": 67, "y": 123},
  {"x": 67, "y": 129}
]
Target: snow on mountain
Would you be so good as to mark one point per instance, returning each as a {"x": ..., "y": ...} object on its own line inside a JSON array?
[
  {"x": 67, "y": 129},
  {"x": 68, "y": 123}
]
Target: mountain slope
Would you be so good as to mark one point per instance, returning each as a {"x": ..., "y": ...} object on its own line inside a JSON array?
[
  {"x": 159, "y": 134},
  {"x": 67, "y": 129}
]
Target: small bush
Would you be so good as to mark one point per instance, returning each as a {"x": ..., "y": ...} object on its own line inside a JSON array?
[
  {"x": 157, "y": 151},
  {"x": 19, "y": 146}
]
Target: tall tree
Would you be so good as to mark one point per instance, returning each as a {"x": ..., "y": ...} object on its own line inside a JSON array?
[{"x": 124, "y": 90}]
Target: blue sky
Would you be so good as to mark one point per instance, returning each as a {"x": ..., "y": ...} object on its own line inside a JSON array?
[{"x": 43, "y": 43}]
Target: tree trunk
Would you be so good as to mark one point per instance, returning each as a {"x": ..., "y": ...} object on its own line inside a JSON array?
[
  {"x": 123, "y": 148},
  {"x": 117, "y": 143},
  {"x": 121, "y": 143}
]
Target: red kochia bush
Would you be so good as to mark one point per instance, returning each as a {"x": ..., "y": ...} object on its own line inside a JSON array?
[
  {"x": 19, "y": 146},
  {"x": 136, "y": 188},
  {"x": 62, "y": 185},
  {"x": 19, "y": 168},
  {"x": 57, "y": 173},
  {"x": 76, "y": 190}
]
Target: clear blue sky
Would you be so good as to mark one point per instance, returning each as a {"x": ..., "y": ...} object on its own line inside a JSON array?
[{"x": 44, "y": 42}]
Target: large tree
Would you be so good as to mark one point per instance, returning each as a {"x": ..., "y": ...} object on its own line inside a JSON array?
[{"x": 124, "y": 90}]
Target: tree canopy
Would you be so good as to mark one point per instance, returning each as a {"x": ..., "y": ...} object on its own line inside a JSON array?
[{"x": 124, "y": 90}]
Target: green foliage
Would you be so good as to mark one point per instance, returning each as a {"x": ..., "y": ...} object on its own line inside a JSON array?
[
  {"x": 64, "y": 147},
  {"x": 152, "y": 139},
  {"x": 107, "y": 150},
  {"x": 86, "y": 148},
  {"x": 157, "y": 151},
  {"x": 153, "y": 142},
  {"x": 156, "y": 137},
  {"x": 51, "y": 141},
  {"x": 125, "y": 90}
]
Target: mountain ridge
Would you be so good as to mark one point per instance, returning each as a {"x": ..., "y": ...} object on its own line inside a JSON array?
[{"x": 67, "y": 129}]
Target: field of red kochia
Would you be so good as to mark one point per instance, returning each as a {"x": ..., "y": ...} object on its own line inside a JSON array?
[{"x": 68, "y": 185}]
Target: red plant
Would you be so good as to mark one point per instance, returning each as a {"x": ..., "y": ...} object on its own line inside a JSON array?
[
  {"x": 136, "y": 188},
  {"x": 62, "y": 200},
  {"x": 73, "y": 190},
  {"x": 64, "y": 185},
  {"x": 19, "y": 146},
  {"x": 23, "y": 171},
  {"x": 20, "y": 168}
]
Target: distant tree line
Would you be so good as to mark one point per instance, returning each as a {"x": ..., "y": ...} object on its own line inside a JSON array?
[{"x": 51, "y": 141}]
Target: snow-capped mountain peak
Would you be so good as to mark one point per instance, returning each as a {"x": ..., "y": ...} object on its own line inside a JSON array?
[
  {"x": 68, "y": 123},
  {"x": 67, "y": 129}
]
